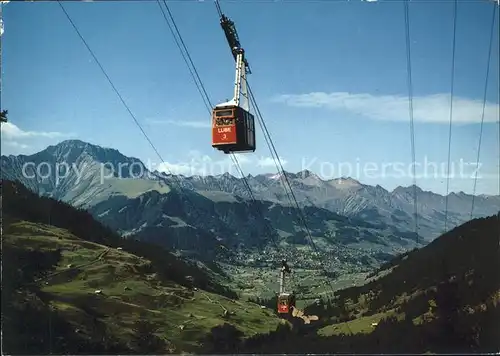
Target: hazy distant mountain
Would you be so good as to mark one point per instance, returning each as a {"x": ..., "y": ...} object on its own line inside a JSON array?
[
  {"x": 72, "y": 171},
  {"x": 340, "y": 213},
  {"x": 347, "y": 196}
]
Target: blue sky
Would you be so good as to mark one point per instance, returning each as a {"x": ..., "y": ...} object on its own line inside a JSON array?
[{"x": 329, "y": 77}]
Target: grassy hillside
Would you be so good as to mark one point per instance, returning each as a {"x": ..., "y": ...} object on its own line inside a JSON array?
[
  {"x": 78, "y": 288},
  {"x": 466, "y": 258},
  {"x": 20, "y": 203}
]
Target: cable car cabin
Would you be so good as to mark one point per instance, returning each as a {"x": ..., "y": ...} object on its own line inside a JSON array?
[
  {"x": 233, "y": 129},
  {"x": 285, "y": 302}
]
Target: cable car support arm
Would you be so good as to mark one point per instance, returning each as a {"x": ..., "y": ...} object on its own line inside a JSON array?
[
  {"x": 284, "y": 269},
  {"x": 231, "y": 34},
  {"x": 242, "y": 67}
]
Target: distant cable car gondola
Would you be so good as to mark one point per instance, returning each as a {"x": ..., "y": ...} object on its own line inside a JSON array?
[
  {"x": 285, "y": 303},
  {"x": 285, "y": 300},
  {"x": 233, "y": 126}
]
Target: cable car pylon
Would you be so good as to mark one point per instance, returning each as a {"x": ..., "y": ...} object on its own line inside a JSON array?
[
  {"x": 233, "y": 126},
  {"x": 3, "y": 116}
]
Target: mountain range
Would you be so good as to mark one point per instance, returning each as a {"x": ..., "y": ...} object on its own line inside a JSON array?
[
  {"x": 348, "y": 197},
  {"x": 210, "y": 215}
]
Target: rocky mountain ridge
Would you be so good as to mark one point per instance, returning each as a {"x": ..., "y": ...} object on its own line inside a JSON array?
[{"x": 88, "y": 174}]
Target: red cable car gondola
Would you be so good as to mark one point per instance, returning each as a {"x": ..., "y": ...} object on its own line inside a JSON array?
[
  {"x": 285, "y": 300},
  {"x": 233, "y": 128},
  {"x": 285, "y": 303}
]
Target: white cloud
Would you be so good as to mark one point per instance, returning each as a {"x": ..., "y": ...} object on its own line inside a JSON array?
[
  {"x": 202, "y": 164},
  {"x": 269, "y": 162},
  {"x": 181, "y": 168},
  {"x": 192, "y": 124},
  {"x": 14, "y": 138},
  {"x": 16, "y": 148},
  {"x": 427, "y": 109},
  {"x": 16, "y": 144},
  {"x": 242, "y": 158},
  {"x": 10, "y": 131}
]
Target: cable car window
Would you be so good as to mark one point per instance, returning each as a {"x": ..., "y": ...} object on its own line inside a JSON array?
[
  {"x": 224, "y": 121},
  {"x": 224, "y": 113}
]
